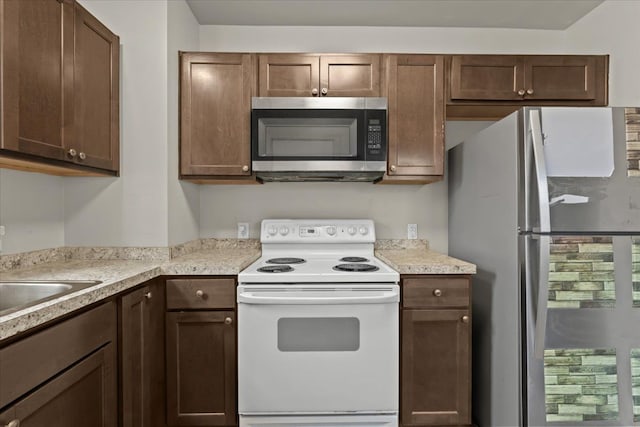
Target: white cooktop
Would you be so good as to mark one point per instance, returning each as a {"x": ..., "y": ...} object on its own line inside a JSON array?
[{"x": 321, "y": 243}]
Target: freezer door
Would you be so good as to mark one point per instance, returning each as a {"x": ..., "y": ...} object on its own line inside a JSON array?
[
  {"x": 581, "y": 358},
  {"x": 576, "y": 171}
]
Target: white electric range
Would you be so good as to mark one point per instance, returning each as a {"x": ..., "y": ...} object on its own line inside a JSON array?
[{"x": 318, "y": 328}]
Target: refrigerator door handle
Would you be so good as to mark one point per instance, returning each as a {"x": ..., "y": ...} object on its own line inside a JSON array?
[
  {"x": 544, "y": 250},
  {"x": 540, "y": 165}
]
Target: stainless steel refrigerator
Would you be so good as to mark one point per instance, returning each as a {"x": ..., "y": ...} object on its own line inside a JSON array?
[{"x": 546, "y": 203}]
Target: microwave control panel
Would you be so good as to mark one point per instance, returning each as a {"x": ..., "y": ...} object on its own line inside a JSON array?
[{"x": 376, "y": 135}]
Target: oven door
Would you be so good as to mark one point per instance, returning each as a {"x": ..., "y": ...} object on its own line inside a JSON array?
[{"x": 318, "y": 349}]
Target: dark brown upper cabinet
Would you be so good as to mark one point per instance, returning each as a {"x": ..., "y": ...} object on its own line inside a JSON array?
[
  {"x": 492, "y": 86},
  {"x": 96, "y": 125},
  {"x": 60, "y": 89},
  {"x": 215, "y": 113},
  {"x": 415, "y": 92},
  {"x": 301, "y": 74}
]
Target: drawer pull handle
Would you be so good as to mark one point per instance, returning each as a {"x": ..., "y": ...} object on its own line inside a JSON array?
[
  {"x": 314, "y": 91},
  {"x": 13, "y": 423},
  {"x": 529, "y": 91},
  {"x": 465, "y": 319},
  {"x": 147, "y": 295},
  {"x": 521, "y": 92},
  {"x": 228, "y": 320},
  {"x": 200, "y": 293},
  {"x": 437, "y": 292},
  {"x": 71, "y": 153}
]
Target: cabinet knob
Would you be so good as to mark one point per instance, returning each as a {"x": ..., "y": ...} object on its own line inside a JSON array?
[
  {"x": 82, "y": 155},
  {"x": 13, "y": 423},
  {"x": 521, "y": 92},
  {"x": 245, "y": 168},
  {"x": 392, "y": 168},
  {"x": 72, "y": 153},
  {"x": 147, "y": 295},
  {"x": 465, "y": 319},
  {"x": 324, "y": 91},
  {"x": 437, "y": 292},
  {"x": 529, "y": 91},
  {"x": 228, "y": 320},
  {"x": 200, "y": 293},
  {"x": 314, "y": 91}
]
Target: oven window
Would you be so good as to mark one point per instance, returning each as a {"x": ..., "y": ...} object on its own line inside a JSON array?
[
  {"x": 318, "y": 334},
  {"x": 307, "y": 137}
]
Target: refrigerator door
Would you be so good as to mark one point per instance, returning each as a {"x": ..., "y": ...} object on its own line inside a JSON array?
[
  {"x": 577, "y": 174},
  {"x": 581, "y": 357}
]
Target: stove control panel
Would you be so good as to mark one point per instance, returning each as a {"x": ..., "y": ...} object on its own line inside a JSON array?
[{"x": 317, "y": 231}]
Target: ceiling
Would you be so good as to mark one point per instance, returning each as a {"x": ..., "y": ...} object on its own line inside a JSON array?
[{"x": 530, "y": 14}]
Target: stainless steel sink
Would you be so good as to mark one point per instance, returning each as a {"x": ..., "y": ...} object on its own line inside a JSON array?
[{"x": 17, "y": 294}]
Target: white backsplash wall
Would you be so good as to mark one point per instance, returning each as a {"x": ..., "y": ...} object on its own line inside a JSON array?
[
  {"x": 184, "y": 197},
  {"x": 391, "y": 207},
  {"x": 130, "y": 210},
  {"x": 32, "y": 211}
]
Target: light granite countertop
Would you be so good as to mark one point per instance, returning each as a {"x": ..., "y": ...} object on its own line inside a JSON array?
[
  {"x": 423, "y": 261},
  {"x": 116, "y": 276},
  {"x": 226, "y": 258}
]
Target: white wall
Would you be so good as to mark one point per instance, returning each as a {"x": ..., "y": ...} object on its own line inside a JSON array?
[
  {"x": 613, "y": 28},
  {"x": 147, "y": 205},
  {"x": 130, "y": 210},
  {"x": 183, "y": 197},
  {"x": 32, "y": 211},
  {"x": 391, "y": 207}
]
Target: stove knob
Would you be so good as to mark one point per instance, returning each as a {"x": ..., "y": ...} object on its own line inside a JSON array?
[
  {"x": 284, "y": 231},
  {"x": 272, "y": 231},
  {"x": 364, "y": 231},
  {"x": 351, "y": 230},
  {"x": 331, "y": 230}
]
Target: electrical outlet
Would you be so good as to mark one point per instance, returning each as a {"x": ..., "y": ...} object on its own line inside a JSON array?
[
  {"x": 243, "y": 230},
  {"x": 412, "y": 231}
]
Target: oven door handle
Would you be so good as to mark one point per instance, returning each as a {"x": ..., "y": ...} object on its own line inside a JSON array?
[{"x": 384, "y": 298}]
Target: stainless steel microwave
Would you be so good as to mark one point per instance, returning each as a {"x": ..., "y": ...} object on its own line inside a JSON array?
[{"x": 319, "y": 139}]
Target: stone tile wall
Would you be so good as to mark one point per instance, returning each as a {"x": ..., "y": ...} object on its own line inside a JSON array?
[
  {"x": 635, "y": 271},
  {"x": 632, "y": 122},
  {"x": 635, "y": 382},
  {"x": 580, "y": 385},
  {"x": 582, "y": 272}
]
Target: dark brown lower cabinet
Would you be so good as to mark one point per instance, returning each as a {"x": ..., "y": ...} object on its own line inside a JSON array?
[
  {"x": 201, "y": 368},
  {"x": 142, "y": 356},
  {"x": 64, "y": 375},
  {"x": 435, "y": 354},
  {"x": 84, "y": 395}
]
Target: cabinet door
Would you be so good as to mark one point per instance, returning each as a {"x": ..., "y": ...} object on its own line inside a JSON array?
[
  {"x": 436, "y": 371},
  {"x": 37, "y": 40},
  {"x": 201, "y": 368},
  {"x": 560, "y": 77},
  {"x": 142, "y": 357},
  {"x": 85, "y": 395},
  {"x": 288, "y": 75},
  {"x": 415, "y": 115},
  {"x": 350, "y": 75},
  {"x": 96, "y": 130},
  {"x": 215, "y": 112},
  {"x": 487, "y": 77}
]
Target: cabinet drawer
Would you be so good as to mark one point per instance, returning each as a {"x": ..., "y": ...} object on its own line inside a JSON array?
[
  {"x": 419, "y": 292},
  {"x": 200, "y": 293},
  {"x": 35, "y": 359}
]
